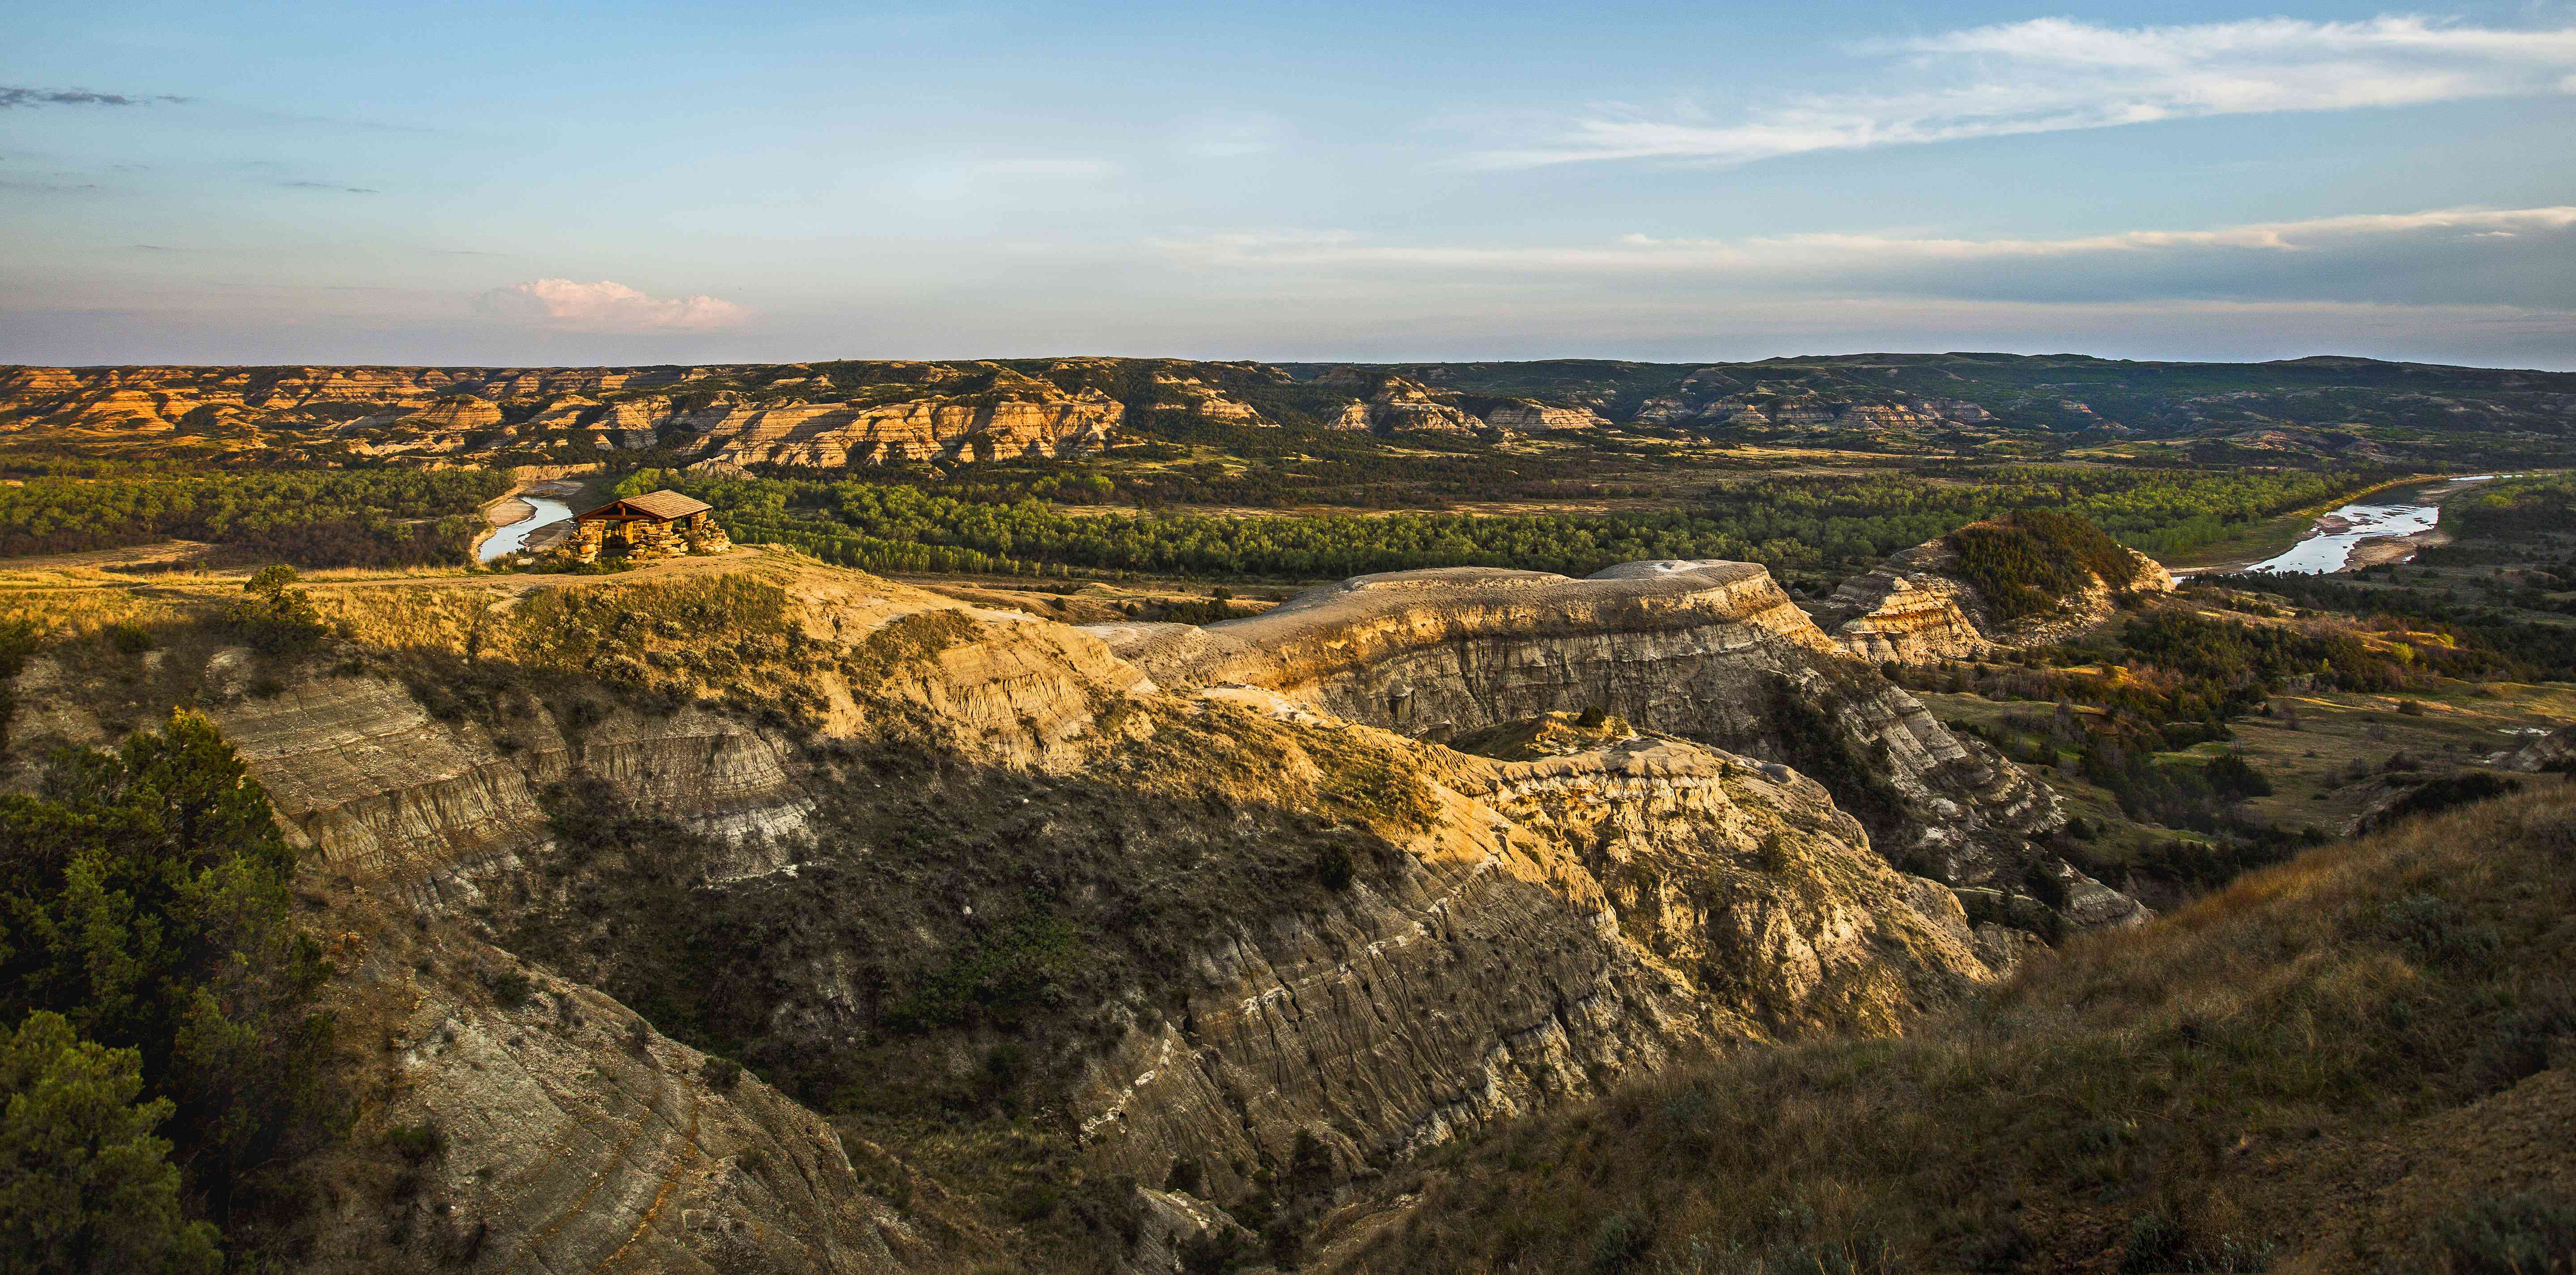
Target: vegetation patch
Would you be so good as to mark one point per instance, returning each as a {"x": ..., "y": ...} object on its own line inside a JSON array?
[
  {"x": 2031, "y": 562},
  {"x": 150, "y": 968}
]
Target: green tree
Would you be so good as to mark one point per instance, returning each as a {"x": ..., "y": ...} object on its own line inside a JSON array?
[
  {"x": 143, "y": 896},
  {"x": 84, "y": 1184},
  {"x": 275, "y": 616}
]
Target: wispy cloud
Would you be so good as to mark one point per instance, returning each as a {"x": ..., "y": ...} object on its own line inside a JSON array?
[
  {"x": 332, "y": 186},
  {"x": 605, "y": 307},
  {"x": 2056, "y": 74},
  {"x": 12, "y": 97},
  {"x": 1645, "y": 253}
]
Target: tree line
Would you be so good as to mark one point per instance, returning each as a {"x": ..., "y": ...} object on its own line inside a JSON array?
[
  {"x": 312, "y": 518},
  {"x": 1815, "y": 526}
]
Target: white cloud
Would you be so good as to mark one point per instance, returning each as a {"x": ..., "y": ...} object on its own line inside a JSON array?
[
  {"x": 605, "y": 307},
  {"x": 2054, "y": 74}
]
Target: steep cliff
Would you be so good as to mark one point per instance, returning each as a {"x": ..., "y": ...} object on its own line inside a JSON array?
[
  {"x": 1916, "y": 608},
  {"x": 1710, "y": 650}
]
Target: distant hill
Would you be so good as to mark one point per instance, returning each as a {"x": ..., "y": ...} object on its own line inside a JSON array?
[{"x": 828, "y": 415}]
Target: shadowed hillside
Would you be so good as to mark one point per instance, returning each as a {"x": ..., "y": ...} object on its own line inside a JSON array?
[{"x": 2356, "y": 1061}]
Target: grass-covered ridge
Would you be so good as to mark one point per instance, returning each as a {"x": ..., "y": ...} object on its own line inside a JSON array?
[{"x": 2374, "y": 1022}]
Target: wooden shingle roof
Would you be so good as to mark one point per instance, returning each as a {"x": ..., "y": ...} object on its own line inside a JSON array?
[{"x": 665, "y": 505}]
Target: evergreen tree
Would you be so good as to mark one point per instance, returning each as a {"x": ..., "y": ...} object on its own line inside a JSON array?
[{"x": 84, "y": 1184}]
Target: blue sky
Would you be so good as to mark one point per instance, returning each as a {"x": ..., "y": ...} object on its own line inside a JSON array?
[{"x": 467, "y": 183}]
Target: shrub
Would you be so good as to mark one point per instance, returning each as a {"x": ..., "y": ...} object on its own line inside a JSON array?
[
  {"x": 720, "y": 1074},
  {"x": 275, "y": 617},
  {"x": 510, "y": 988},
  {"x": 2436, "y": 795},
  {"x": 1333, "y": 866},
  {"x": 416, "y": 1142}
]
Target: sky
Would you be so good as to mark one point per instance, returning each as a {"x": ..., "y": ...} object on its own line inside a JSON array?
[{"x": 467, "y": 183}]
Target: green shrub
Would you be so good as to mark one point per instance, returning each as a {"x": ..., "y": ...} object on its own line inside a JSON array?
[
  {"x": 1333, "y": 866},
  {"x": 416, "y": 1142},
  {"x": 510, "y": 988},
  {"x": 276, "y": 617}
]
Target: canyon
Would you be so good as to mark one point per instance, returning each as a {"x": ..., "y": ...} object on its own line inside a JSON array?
[{"x": 1218, "y": 902}]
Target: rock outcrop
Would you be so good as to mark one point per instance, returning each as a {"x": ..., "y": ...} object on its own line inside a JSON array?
[
  {"x": 556, "y": 1131},
  {"x": 1540, "y": 418},
  {"x": 1555, "y": 923},
  {"x": 1390, "y": 403},
  {"x": 2555, "y": 751},
  {"x": 1915, "y": 609},
  {"x": 1713, "y": 651}
]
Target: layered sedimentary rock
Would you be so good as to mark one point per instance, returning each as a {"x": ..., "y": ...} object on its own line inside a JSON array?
[
  {"x": 1540, "y": 418},
  {"x": 1915, "y": 609},
  {"x": 1030, "y": 422},
  {"x": 1390, "y": 403},
  {"x": 1709, "y": 650},
  {"x": 573, "y": 1137},
  {"x": 1562, "y": 922}
]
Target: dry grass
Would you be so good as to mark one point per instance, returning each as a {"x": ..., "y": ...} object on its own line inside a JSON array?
[{"x": 2194, "y": 1095}]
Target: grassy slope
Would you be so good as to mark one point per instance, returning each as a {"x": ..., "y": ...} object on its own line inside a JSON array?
[{"x": 2309, "y": 1070}]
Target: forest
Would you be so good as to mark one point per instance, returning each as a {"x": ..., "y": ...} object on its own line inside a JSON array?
[{"x": 311, "y": 518}]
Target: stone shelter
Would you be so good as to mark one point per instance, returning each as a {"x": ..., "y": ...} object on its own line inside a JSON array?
[{"x": 657, "y": 524}]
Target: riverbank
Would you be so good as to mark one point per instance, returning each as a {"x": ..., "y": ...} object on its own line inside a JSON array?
[
  {"x": 514, "y": 508},
  {"x": 2274, "y": 537}
]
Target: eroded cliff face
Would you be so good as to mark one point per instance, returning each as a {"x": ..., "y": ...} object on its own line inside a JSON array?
[
  {"x": 1549, "y": 926},
  {"x": 571, "y": 1136},
  {"x": 1713, "y": 651},
  {"x": 902, "y": 856},
  {"x": 1914, "y": 609},
  {"x": 723, "y": 415}
]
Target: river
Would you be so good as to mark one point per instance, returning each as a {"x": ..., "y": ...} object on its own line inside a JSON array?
[
  {"x": 2401, "y": 511},
  {"x": 509, "y": 539}
]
